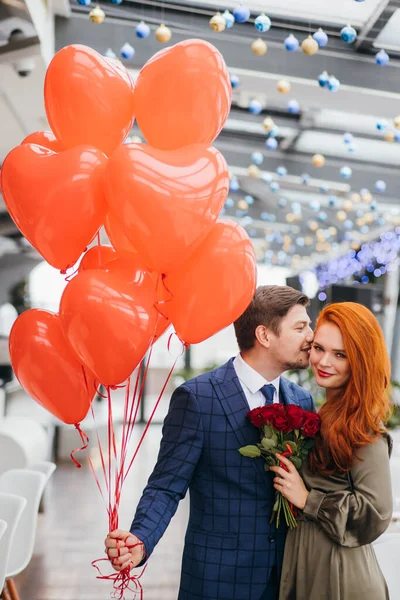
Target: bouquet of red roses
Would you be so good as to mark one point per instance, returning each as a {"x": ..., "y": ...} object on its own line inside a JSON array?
[{"x": 286, "y": 430}]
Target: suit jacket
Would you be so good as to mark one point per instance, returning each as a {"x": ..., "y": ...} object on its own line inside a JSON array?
[{"x": 230, "y": 545}]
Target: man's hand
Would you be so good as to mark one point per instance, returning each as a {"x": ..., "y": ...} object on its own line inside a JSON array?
[{"x": 124, "y": 549}]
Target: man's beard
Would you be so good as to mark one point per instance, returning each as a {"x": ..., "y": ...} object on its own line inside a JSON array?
[{"x": 298, "y": 364}]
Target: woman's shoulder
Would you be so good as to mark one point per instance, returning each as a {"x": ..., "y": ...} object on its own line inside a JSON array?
[{"x": 380, "y": 445}]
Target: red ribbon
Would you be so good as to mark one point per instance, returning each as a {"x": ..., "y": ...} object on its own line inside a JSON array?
[{"x": 85, "y": 441}]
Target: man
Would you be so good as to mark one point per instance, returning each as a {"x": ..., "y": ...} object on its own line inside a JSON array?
[{"x": 232, "y": 552}]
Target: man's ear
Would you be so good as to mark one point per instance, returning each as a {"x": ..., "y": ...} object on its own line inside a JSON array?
[{"x": 263, "y": 336}]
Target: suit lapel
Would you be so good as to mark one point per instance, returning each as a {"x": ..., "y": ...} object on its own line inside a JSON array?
[
  {"x": 286, "y": 394},
  {"x": 234, "y": 403}
]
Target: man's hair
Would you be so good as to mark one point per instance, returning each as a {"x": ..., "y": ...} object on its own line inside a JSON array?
[{"x": 269, "y": 306}]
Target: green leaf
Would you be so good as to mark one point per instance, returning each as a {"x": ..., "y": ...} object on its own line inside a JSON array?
[
  {"x": 250, "y": 451},
  {"x": 296, "y": 461},
  {"x": 268, "y": 431},
  {"x": 267, "y": 443},
  {"x": 309, "y": 443}
]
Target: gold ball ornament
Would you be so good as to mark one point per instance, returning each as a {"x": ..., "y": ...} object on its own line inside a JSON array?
[
  {"x": 366, "y": 197},
  {"x": 290, "y": 217},
  {"x": 217, "y": 23},
  {"x": 242, "y": 205},
  {"x": 253, "y": 171},
  {"x": 341, "y": 216},
  {"x": 332, "y": 231},
  {"x": 369, "y": 218},
  {"x": 355, "y": 245},
  {"x": 163, "y": 33},
  {"x": 268, "y": 124},
  {"x": 389, "y": 136},
  {"x": 97, "y": 15},
  {"x": 347, "y": 205},
  {"x": 313, "y": 225},
  {"x": 318, "y": 160},
  {"x": 396, "y": 122},
  {"x": 259, "y": 47},
  {"x": 356, "y": 198},
  {"x": 308, "y": 240},
  {"x": 283, "y": 86},
  {"x": 309, "y": 46}
]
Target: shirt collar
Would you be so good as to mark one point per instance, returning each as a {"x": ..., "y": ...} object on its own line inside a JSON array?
[{"x": 250, "y": 377}]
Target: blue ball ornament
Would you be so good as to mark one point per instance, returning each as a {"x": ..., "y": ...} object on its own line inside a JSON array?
[
  {"x": 234, "y": 185},
  {"x": 296, "y": 208},
  {"x": 282, "y": 171},
  {"x": 397, "y": 136},
  {"x": 241, "y": 13},
  {"x": 109, "y": 53},
  {"x": 229, "y": 19},
  {"x": 333, "y": 84},
  {"x": 274, "y": 132},
  {"x": 305, "y": 178},
  {"x": 271, "y": 143},
  {"x": 255, "y": 107},
  {"x": 262, "y": 23},
  {"x": 348, "y": 34},
  {"x": 84, "y": 2},
  {"x": 282, "y": 202},
  {"x": 382, "y": 58},
  {"x": 291, "y": 43},
  {"x": 274, "y": 186},
  {"x": 346, "y": 172},
  {"x": 116, "y": 1},
  {"x": 293, "y": 107},
  {"x": 348, "y": 224},
  {"x": 266, "y": 177},
  {"x": 332, "y": 201},
  {"x": 314, "y": 205},
  {"x": 235, "y": 81},
  {"x": 351, "y": 148},
  {"x": 257, "y": 158},
  {"x": 229, "y": 202},
  {"x": 323, "y": 79},
  {"x": 142, "y": 30},
  {"x": 324, "y": 188},
  {"x": 127, "y": 52},
  {"x": 380, "y": 186},
  {"x": 381, "y": 125},
  {"x": 348, "y": 138},
  {"x": 321, "y": 38},
  {"x": 322, "y": 217},
  {"x": 249, "y": 200}
]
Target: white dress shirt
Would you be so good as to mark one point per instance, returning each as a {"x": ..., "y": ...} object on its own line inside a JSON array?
[{"x": 251, "y": 382}]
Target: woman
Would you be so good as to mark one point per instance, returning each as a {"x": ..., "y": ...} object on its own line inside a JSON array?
[{"x": 344, "y": 491}]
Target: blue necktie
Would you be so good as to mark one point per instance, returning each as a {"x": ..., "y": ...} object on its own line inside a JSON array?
[{"x": 268, "y": 391}]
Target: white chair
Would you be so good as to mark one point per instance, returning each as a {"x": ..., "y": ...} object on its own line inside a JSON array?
[
  {"x": 44, "y": 466},
  {"x": 11, "y": 509},
  {"x": 22, "y": 441},
  {"x": 30, "y": 485},
  {"x": 387, "y": 550},
  {"x": 3, "y": 527}
]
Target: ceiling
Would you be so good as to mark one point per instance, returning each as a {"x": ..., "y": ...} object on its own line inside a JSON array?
[{"x": 282, "y": 222}]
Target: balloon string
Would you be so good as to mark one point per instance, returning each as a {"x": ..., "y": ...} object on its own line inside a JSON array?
[
  {"x": 122, "y": 580},
  {"x": 85, "y": 441},
  {"x": 156, "y": 306}
]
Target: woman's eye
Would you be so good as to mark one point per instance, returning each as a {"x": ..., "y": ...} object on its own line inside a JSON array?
[{"x": 340, "y": 355}]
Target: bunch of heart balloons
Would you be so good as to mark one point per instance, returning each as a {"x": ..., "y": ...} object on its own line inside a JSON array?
[{"x": 170, "y": 260}]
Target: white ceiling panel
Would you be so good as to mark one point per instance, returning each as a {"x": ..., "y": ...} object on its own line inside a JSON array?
[{"x": 388, "y": 38}]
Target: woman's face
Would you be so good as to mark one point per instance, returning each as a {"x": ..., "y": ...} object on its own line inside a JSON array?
[{"x": 328, "y": 359}]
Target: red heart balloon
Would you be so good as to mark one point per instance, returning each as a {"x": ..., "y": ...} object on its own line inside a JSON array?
[
  {"x": 116, "y": 234},
  {"x": 56, "y": 200},
  {"x": 96, "y": 257},
  {"x": 166, "y": 202},
  {"x": 88, "y": 99},
  {"x": 183, "y": 95},
  {"x": 214, "y": 287},
  {"x": 109, "y": 319},
  {"x": 47, "y": 139},
  {"x": 47, "y": 367}
]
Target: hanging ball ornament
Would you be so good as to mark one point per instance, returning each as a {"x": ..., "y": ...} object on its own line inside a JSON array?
[
  {"x": 163, "y": 34},
  {"x": 291, "y": 43},
  {"x": 356, "y": 198},
  {"x": 318, "y": 160},
  {"x": 116, "y": 1},
  {"x": 235, "y": 81},
  {"x": 348, "y": 34},
  {"x": 381, "y": 125},
  {"x": 97, "y": 15},
  {"x": 84, "y": 2},
  {"x": 127, "y": 52},
  {"x": 229, "y": 19},
  {"x": 380, "y": 186},
  {"x": 347, "y": 205},
  {"x": 396, "y": 122},
  {"x": 389, "y": 136},
  {"x": 323, "y": 79},
  {"x": 282, "y": 171},
  {"x": 293, "y": 107},
  {"x": 382, "y": 58},
  {"x": 142, "y": 30},
  {"x": 262, "y": 23},
  {"x": 283, "y": 86},
  {"x": 348, "y": 138},
  {"x": 268, "y": 124},
  {"x": 333, "y": 84},
  {"x": 253, "y": 171},
  {"x": 341, "y": 216},
  {"x": 346, "y": 172},
  {"x": 109, "y": 53},
  {"x": 321, "y": 38},
  {"x": 255, "y": 107},
  {"x": 271, "y": 144},
  {"x": 241, "y": 13},
  {"x": 309, "y": 46},
  {"x": 257, "y": 158},
  {"x": 259, "y": 47},
  {"x": 217, "y": 23}
]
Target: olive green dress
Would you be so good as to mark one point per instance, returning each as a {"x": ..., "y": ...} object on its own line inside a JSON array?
[{"x": 329, "y": 556}]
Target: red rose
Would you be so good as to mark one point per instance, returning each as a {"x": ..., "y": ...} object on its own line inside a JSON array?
[
  {"x": 312, "y": 424},
  {"x": 263, "y": 415},
  {"x": 279, "y": 419},
  {"x": 295, "y": 416}
]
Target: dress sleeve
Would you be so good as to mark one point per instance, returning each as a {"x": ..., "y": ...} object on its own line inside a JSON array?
[{"x": 360, "y": 514}]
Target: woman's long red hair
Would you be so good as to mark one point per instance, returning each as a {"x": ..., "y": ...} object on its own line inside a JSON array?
[{"x": 359, "y": 412}]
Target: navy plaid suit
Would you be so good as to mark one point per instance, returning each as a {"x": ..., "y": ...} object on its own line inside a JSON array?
[{"x": 231, "y": 548}]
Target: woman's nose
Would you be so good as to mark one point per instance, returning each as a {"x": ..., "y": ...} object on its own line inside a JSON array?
[{"x": 324, "y": 360}]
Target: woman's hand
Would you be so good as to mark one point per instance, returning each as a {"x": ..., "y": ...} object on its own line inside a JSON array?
[{"x": 289, "y": 483}]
